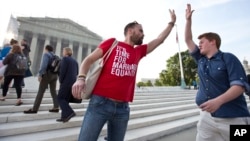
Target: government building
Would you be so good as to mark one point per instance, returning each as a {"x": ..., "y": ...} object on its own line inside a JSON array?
[{"x": 59, "y": 33}]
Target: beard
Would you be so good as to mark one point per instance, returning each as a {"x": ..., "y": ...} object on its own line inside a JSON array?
[{"x": 136, "y": 40}]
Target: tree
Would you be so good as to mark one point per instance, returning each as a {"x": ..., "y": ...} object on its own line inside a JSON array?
[
  {"x": 149, "y": 83},
  {"x": 172, "y": 75},
  {"x": 158, "y": 82},
  {"x": 140, "y": 84}
]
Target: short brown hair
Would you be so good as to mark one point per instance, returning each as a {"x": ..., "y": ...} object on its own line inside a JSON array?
[
  {"x": 13, "y": 41},
  {"x": 211, "y": 36},
  {"x": 16, "y": 49},
  {"x": 130, "y": 25}
]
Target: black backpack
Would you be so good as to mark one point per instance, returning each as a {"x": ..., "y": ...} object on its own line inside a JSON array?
[
  {"x": 248, "y": 85},
  {"x": 21, "y": 62},
  {"x": 54, "y": 64}
]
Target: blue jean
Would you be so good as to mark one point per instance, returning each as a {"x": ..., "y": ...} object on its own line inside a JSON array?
[{"x": 100, "y": 111}]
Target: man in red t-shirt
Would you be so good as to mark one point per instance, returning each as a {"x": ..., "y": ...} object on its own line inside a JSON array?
[{"x": 115, "y": 86}]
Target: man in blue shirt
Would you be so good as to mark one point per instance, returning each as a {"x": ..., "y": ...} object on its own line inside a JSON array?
[
  {"x": 222, "y": 85},
  {"x": 45, "y": 78}
]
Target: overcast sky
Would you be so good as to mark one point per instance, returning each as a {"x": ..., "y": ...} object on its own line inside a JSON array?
[{"x": 229, "y": 18}]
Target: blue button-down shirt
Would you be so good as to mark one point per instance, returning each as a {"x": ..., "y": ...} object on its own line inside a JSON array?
[
  {"x": 217, "y": 74},
  {"x": 44, "y": 63}
]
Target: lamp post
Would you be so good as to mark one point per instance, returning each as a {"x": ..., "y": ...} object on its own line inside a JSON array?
[{"x": 183, "y": 84}]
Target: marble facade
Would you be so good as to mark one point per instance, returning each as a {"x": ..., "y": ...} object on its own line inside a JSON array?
[{"x": 59, "y": 33}]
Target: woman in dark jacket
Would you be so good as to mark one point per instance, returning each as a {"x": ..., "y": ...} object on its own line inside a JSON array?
[
  {"x": 12, "y": 72},
  {"x": 67, "y": 77}
]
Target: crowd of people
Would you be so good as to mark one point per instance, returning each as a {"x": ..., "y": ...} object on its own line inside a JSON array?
[{"x": 222, "y": 82}]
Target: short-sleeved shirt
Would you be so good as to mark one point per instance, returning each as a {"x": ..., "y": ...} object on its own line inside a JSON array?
[
  {"x": 117, "y": 79},
  {"x": 217, "y": 74}
]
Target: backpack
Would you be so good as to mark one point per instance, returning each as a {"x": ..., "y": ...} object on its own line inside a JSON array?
[
  {"x": 54, "y": 64},
  {"x": 248, "y": 85},
  {"x": 21, "y": 62}
]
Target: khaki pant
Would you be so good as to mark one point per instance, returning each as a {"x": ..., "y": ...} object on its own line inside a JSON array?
[
  {"x": 216, "y": 129},
  {"x": 51, "y": 80}
]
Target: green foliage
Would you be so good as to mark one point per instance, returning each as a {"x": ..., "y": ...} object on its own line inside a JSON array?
[
  {"x": 149, "y": 83},
  {"x": 172, "y": 75},
  {"x": 158, "y": 82},
  {"x": 140, "y": 84}
]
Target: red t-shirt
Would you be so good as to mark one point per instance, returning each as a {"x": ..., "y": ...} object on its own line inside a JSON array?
[{"x": 117, "y": 79}]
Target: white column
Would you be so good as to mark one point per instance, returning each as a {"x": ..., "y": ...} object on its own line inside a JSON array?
[
  {"x": 71, "y": 44},
  {"x": 33, "y": 48},
  {"x": 89, "y": 50},
  {"x": 79, "y": 55},
  {"x": 20, "y": 37},
  {"x": 58, "y": 47},
  {"x": 47, "y": 41}
]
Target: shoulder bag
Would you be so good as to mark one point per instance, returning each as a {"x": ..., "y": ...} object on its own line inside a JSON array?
[{"x": 93, "y": 76}]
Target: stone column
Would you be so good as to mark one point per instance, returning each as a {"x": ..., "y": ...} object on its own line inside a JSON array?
[
  {"x": 33, "y": 48},
  {"x": 71, "y": 44},
  {"x": 20, "y": 36},
  {"x": 58, "y": 47},
  {"x": 47, "y": 41},
  {"x": 89, "y": 50},
  {"x": 79, "y": 55}
]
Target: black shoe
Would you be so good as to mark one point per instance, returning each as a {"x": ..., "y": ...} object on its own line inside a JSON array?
[
  {"x": 30, "y": 111},
  {"x": 54, "y": 110},
  {"x": 69, "y": 117},
  {"x": 66, "y": 119},
  {"x": 59, "y": 120}
]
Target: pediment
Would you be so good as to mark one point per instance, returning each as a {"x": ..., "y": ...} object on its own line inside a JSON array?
[{"x": 61, "y": 24}]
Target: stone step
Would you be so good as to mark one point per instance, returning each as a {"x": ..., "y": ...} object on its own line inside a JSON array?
[
  {"x": 47, "y": 125},
  {"x": 158, "y": 130},
  {"x": 32, "y": 94},
  {"x": 149, "y": 110},
  {"x": 7, "y": 111},
  {"x": 47, "y": 98},
  {"x": 136, "y": 111},
  {"x": 47, "y": 101},
  {"x": 143, "y": 134}
]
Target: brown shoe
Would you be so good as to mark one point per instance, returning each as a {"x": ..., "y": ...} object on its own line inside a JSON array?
[
  {"x": 2, "y": 98},
  {"x": 19, "y": 103},
  {"x": 54, "y": 110}
]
